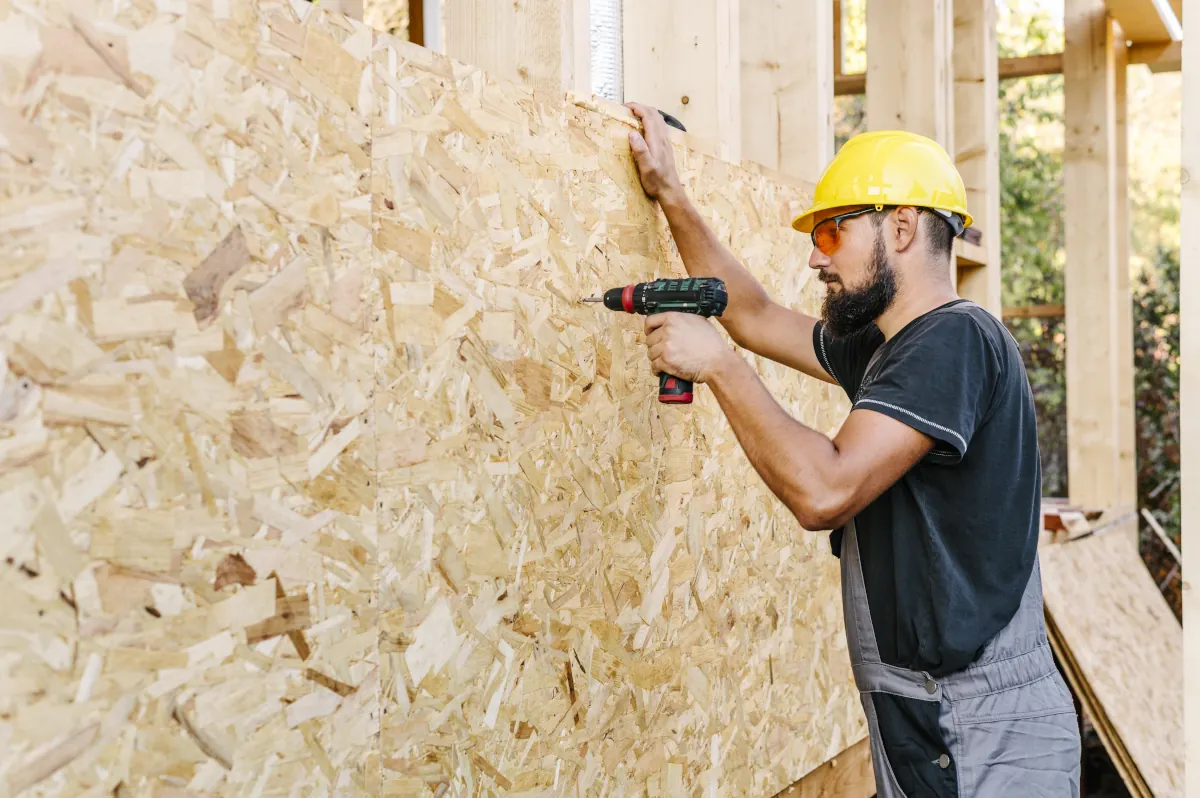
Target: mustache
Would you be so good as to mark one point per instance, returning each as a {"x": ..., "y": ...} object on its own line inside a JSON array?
[{"x": 828, "y": 278}]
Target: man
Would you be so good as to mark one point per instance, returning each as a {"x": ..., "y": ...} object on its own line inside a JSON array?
[{"x": 932, "y": 484}]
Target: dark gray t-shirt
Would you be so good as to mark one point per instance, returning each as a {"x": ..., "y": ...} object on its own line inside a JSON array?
[{"x": 948, "y": 549}]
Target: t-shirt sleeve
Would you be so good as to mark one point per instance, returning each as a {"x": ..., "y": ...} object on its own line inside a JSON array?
[
  {"x": 939, "y": 380},
  {"x": 845, "y": 359}
]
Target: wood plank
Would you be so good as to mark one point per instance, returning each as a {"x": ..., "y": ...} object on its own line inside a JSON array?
[
  {"x": 1030, "y": 65},
  {"x": 909, "y": 68},
  {"x": 682, "y": 56},
  {"x": 1145, "y": 20},
  {"x": 1126, "y": 647},
  {"x": 1093, "y": 710},
  {"x": 1007, "y": 69},
  {"x": 847, "y": 775},
  {"x": 534, "y": 41},
  {"x": 1034, "y": 311},
  {"x": 787, "y": 85},
  {"x": 1126, "y": 415},
  {"x": 839, "y": 47},
  {"x": 968, "y": 255},
  {"x": 1090, "y": 146},
  {"x": 1189, "y": 392},
  {"x": 1159, "y": 56},
  {"x": 977, "y": 141}
]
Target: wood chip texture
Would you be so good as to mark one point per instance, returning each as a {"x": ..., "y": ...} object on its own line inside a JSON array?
[
  {"x": 1122, "y": 649},
  {"x": 316, "y": 479}
]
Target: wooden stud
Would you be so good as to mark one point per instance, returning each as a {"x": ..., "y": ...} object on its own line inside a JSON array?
[
  {"x": 1189, "y": 394},
  {"x": 839, "y": 47},
  {"x": 787, "y": 85},
  {"x": 681, "y": 56},
  {"x": 1126, "y": 418},
  {"x": 909, "y": 71},
  {"x": 976, "y": 141},
  {"x": 538, "y": 42},
  {"x": 1090, "y": 149}
]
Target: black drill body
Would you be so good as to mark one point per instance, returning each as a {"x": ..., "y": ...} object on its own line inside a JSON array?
[{"x": 703, "y": 296}]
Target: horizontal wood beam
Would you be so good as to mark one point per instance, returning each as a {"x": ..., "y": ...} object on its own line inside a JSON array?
[
  {"x": 1145, "y": 20},
  {"x": 1034, "y": 311},
  {"x": 972, "y": 256},
  {"x": 1159, "y": 57}
]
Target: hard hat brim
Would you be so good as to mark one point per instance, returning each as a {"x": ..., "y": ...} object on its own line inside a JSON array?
[{"x": 804, "y": 222}]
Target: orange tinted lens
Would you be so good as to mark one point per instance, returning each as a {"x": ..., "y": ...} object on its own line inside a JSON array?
[{"x": 825, "y": 236}]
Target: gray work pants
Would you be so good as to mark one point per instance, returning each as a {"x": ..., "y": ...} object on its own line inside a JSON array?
[{"x": 1008, "y": 720}]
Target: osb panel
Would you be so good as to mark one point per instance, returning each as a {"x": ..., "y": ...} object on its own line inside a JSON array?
[
  {"x": 208, "y": 338},
  {"x": 1127, "y": 645},
  {"x": 581, "y": 590},
  {"x": 186, "y": 455}
]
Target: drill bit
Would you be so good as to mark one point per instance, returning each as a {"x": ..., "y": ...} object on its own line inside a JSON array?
[{"x": 592, "y": 299}]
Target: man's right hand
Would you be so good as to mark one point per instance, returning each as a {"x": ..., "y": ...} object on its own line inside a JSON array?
[{"x": 654, "y": 156}]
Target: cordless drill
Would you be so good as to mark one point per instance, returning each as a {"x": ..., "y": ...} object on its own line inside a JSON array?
[{"x": 703, "y": 296}]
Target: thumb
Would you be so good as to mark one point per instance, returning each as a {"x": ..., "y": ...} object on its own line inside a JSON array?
[{"x": 637, "y": 143}]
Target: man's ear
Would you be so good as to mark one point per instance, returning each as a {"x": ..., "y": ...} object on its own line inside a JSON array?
[{"x": 907, "y": 222}]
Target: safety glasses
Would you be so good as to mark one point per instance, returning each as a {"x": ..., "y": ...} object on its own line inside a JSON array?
[{"x": 827, "y": 235}]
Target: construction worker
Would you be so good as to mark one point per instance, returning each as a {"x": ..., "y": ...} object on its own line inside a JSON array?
[{"x": 932, "y": 484}]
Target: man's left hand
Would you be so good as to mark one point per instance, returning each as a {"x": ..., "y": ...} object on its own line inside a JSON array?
[{"x": 685, "y": 346}]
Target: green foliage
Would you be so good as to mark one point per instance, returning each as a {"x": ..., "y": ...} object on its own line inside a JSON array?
[{"x": 1156, "y": 385}]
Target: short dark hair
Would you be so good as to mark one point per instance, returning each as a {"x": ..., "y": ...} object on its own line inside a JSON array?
[{"x": 939, "y": 233}]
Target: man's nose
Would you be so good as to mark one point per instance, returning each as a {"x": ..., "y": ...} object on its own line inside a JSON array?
[{"x": 818, "y": 259}]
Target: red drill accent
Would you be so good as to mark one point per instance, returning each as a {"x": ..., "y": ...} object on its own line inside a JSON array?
[
  {"x": 675, "y": 398},
  {"x": 627, "y": 298}
]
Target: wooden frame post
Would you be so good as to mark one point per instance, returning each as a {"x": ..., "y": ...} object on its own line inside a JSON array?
[
  {"x": 543, "y": 43},
  {"x": 977, "y": 142},
  {"x": 682, "y": 56},
  {"x": 839, "y": 45},
  {"x": 787, "y": 85},
  {"x": 1092, "y": 250},
  {"x": 1126, "y": 407},
  {"x": 1189, "y": 396},
  {"x": 909, "y": 68}
]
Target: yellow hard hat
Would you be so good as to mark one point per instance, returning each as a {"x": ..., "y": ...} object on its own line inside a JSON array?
[{"x": 889, "y": 167}]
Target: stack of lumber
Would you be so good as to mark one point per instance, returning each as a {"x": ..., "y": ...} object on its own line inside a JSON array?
[
  {"x": 1121, "y": 649},
  {"x": 315, "y": 479}
]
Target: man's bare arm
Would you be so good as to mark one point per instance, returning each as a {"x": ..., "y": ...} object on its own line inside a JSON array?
[
  {"x": 752, "y": 319},
  {"x": 823, "y": 482}
]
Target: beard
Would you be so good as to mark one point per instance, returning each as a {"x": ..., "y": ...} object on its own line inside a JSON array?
[{"x": 848, "y": 311}]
